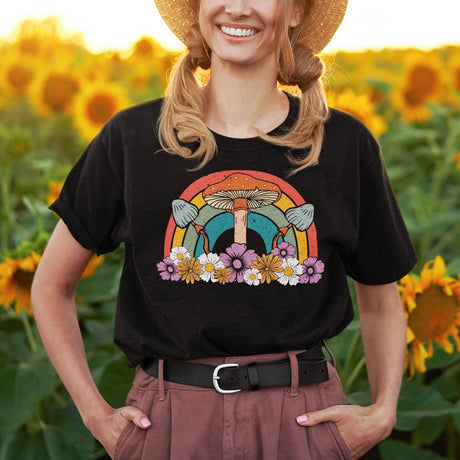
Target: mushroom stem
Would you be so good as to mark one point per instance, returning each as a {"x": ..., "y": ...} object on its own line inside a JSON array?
[{"x": 240, "y": 224}]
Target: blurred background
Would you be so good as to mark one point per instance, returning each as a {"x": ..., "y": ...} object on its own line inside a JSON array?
[{"x": 67, "y": 67}]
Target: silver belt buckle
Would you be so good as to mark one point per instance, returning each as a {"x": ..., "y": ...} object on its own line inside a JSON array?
[{"x": 215, "y": 377}]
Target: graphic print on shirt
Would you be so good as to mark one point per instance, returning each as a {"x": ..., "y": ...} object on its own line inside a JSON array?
[{"x": 241, "y": 227}]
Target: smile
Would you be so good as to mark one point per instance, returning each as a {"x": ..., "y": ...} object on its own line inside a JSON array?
[{"x": 236, "y": 32}]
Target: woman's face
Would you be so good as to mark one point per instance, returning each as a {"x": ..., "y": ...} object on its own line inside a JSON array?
[{"x": 242, "y": 31}]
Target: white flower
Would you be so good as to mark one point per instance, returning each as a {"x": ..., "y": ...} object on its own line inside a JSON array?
[
  {"x": 179, "y": 254},
  {"x": 252, "y": 277},
  {"x": 291, "y": 271},
  {"x": 211, "y": 263}
]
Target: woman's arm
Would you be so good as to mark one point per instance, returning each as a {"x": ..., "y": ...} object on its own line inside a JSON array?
[
  {"x": 53, "y": 303},
  {"x": 384, "y": 338}
]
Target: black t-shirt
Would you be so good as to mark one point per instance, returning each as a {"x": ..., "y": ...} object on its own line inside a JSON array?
[{"x": 235, "y": 258}]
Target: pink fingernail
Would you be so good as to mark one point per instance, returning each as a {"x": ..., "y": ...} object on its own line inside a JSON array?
[
  {"x": 145, "y": 422},
  {"x": 302, "y": 418}
]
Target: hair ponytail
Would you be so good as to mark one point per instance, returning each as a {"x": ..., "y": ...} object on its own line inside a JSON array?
[{"x": 182, "y": 115}]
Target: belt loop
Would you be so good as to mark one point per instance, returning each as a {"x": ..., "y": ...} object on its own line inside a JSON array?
[
  {"x": 294, "y": 373},
  {"x": 161, "y": 382},
  {"x": 330, "y": 352}
]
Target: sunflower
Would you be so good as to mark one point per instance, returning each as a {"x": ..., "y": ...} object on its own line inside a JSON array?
[
  {"x": 17, "y": 73},
  {"x": 421, "y": 83},
  {"x": 190, "y": 270},
  {"x": 54, "y": 191},
  {"x": 456, "y": 159},
  {"x": 268, "y": 267},
  {"x": 94, "y": 262},
  {"x": 16, "y": 277},
  {"x": 96, "y": 103},
  {"x": 432, "y": 310},
  {"x": 222, "y": 275},
  {"x": 361, "y": 106},
  {"x": 55, "y": 91}
]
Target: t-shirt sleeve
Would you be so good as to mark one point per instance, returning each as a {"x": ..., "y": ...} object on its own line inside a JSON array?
[
  {"x": 91, "y": 200},
  {"x": 384, "y": 252}
]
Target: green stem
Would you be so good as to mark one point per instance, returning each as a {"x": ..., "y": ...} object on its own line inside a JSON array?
[
  {"x": 30, "y": 335},
  {"x": 347, "y": 367},
  {"x": 352, "y": 377},
  {"x": 451, "y": 440},
  {"x": 5, "y": 184}
]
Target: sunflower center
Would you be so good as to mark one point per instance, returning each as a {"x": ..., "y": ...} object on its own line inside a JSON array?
[
  {"x": 23, "y": 278},
  {"x": 19, "y": 77},
  {"x": 422, "y": 82},
  {"x": 434, "y": 314},
  {"x": 100, "y": 108},
  {"x": 58, "y": 91}
]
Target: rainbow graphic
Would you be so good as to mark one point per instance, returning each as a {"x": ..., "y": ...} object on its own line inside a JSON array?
[{"x": 272, "y": 208}]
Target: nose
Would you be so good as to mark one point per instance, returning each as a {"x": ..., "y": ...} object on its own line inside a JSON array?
[{"x": 238, "y": 8}]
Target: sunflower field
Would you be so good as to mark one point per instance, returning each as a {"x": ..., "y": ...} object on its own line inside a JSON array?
[{"x": 55, "y": 95}]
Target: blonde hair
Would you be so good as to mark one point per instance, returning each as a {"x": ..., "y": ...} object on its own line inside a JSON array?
[{"x": 182, "y": 117}]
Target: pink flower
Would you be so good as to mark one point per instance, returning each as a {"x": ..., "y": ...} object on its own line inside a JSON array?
[
  {"x": 284, "y": 251},
  {"x": 168, "y": 269},
  {"x": 238, "y": 259},
  {"x": 312, "y": 269}
]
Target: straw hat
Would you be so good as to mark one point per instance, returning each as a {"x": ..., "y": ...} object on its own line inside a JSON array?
[{"x": 322, "y": 22}]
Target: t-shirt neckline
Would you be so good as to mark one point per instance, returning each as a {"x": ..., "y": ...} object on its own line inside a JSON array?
[{"x": 252, "y": 143}]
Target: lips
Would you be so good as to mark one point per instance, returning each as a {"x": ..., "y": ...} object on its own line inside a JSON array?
[{"x": 238, "y": 31}]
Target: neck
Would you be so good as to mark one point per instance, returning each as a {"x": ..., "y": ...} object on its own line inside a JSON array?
[{"x": 242, "y": 99}]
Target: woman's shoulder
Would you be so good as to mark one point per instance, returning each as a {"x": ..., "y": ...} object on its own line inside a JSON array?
[
  {"x": 340, "y": 120},
  {"x": 148, "y": 110}
]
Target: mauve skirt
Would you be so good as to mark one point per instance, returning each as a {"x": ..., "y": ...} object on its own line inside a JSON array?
[{"x": 194, "y": 423}]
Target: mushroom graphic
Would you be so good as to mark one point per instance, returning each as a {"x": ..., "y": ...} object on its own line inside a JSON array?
[
  {"x": 238, "y": 193},
  {"x": 184, "y": 213},
  {"x": 300, "y": 217}
]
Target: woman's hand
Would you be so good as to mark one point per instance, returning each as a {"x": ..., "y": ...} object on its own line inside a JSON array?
[
  {"x": 361, "y": 427},
  {"x": 108, "y": 427}
]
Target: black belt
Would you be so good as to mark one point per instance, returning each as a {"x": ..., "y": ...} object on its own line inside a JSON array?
[{"x": 232, "y": 377}]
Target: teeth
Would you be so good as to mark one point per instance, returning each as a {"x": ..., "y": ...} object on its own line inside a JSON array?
[{"x": 237, "y": 32}]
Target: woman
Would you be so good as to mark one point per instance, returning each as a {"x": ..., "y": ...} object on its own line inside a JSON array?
[{"x": 275, "y": 199}]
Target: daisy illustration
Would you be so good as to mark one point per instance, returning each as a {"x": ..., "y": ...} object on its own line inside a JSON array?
[
  {"x": 211, "y": 263},
  {"x": 252, "y": 277},
  {"x": 291, "y": 271},
  {"x": 179, "y": 254}
]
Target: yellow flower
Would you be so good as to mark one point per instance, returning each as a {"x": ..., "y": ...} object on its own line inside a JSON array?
[
  {"x": 16, "y": 73},
  {"x": 432, "y": 310},
  {"x": 456, "y": 158},
  {"x": 268, "y": 267},
  {"x": 190, "y": 269},
  {"x": 361, "y": 106},
  {"x": 55, "y": 91},
  {"x": 16, "y": 277},
  {"x": 54, "y": 191},
  {"x": 421, "y": 83},
  {"x": 95, "y": 104},
  {"x": 94, "y": 262},
  {"x": 222, "y": 275}
]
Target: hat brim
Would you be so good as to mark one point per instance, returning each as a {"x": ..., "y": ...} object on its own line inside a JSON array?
[{"x": 323, "y": 20}]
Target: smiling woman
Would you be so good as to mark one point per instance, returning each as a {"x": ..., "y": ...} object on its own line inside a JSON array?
[{"x": 365, "y": 26}]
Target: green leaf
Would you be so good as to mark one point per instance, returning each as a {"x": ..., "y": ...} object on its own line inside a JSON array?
[
  {"x": 430, "y": 428},
  {"x": 101, "y": 286},
  {"x": 116, "y": 380},
  {"x": 47, "y": 444},
  {"x": 24, "y": 386},
  {"x": 67, "y": 420},
  {"x": 398, "y": 450},
  {"x": 416, "y": 402}
]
